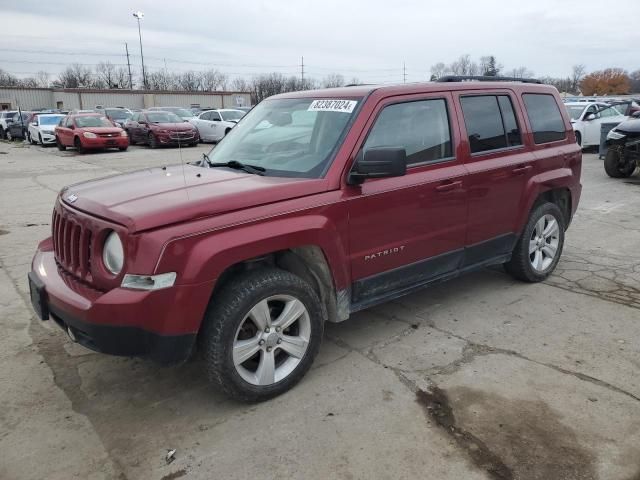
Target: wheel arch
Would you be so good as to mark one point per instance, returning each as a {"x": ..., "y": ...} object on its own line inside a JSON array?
[{"x": 550, "y": 187}]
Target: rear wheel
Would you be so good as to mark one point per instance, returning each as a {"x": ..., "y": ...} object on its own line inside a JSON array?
[
  {"x": 122, "y": 149},
  {"x": 615, "y": 164},
  {"x": 59, "y": 144},
  {"x": 579, "y": 138},
  {"x": 9, "y": 136},
  {"x": 261, "y": 334},
  {"x": 78, "y": 144},
  {"x": 3, "y": 133},
  {"x": 539, "y": 247},
  {"x": 152, "y": 141},
  {"x": 31, "y": 140}
]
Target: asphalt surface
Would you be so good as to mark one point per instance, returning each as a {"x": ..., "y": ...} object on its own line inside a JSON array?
[{"x": 483, "y": 377}]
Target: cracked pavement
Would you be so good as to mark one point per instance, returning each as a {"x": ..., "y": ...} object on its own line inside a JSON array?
[{"x": 482, "y": 377}]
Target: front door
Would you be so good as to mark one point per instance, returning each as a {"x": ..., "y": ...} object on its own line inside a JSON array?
[{"x": 406, "y": 231}]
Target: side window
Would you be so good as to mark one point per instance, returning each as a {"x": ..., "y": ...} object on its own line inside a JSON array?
[
  {"x": 421, "y": 127},
  {"x": 545, "y": 118},
  {"x": 610, "y": 112},
  {"x": 490, "y": 122},
  {"x": 205, "y": 116},
  {"x": 214, "y": 116},
  {"x": 68, "y": 122}
]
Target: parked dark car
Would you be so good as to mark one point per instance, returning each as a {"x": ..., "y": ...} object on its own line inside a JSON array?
[
  {"x": 318, "y": 205},
  {"x": 5, "y": 121},
  {"x": 623, "y": 153},
  {"x": 17, "y": 128},
  {"x": 157, "y": 128}
]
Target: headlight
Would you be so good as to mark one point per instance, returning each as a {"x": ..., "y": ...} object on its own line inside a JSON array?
[
  {"x": 123, "y": 133},
  {"x": 613, "y": 135},
  {"x": 113, "y": 253},
  {"x": 89, "y": 135},
  {"x": 149, "y": 282}
]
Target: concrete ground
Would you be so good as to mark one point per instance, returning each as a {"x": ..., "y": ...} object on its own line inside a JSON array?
[{"x": 479, "y": 378}]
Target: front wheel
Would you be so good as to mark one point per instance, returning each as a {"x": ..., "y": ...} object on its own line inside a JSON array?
[
  {"x": 9, "y": 136},
  {"x": 615, "y": 165},
  {"x": 60, "y": 145},
  {"x": 78, "y": 144},
  {"x": 152, "y": 141},
  {"x": 123, "y": 149},
  {"x": 261, "y": 334},
  {"x": 539, "y": 247},
  {"x": 579, "y": 138}
]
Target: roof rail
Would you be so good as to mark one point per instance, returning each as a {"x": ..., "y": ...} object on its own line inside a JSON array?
[{"x": 485, "y": 78}]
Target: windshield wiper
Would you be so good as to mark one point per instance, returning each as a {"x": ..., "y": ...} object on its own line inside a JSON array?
[{"x": 236, "y": 165}]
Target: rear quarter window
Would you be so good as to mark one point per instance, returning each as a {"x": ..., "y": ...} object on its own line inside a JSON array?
[{"x": 545, "y": 117}]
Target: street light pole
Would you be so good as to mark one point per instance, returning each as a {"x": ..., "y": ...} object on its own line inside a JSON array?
[{"x": 138, "y": 16}]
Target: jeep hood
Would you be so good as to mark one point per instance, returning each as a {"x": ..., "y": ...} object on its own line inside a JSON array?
[{"x": 152, "y": 198}]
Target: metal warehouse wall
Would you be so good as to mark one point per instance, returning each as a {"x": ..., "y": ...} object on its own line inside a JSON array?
[
  {"x": 26, "y": 98},
  {"x": 68, "y": 99}
]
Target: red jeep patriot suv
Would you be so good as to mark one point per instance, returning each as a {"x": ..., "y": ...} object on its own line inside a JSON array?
[{"x": 317, "y": 204}]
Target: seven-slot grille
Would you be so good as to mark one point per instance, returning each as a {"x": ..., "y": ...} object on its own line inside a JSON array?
[{"x": 72, "y": 245}]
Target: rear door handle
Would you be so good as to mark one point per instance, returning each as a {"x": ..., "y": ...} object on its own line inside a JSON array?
[
  {"x": 521, "y": 170},
  {"x": 447, "y": 187}
]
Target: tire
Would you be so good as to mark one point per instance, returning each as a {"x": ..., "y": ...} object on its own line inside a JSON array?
[
  {"x": 534, "y": 248},
  {"x": 123, "y": 149},
  {"x": 9, "y": 136},
  {"x": 60, "y": 146},
  {"x": 229, "y": 317},
  {"x": 40, "y": 139},
  {"x": 612, "y": 164},
  {"x": 31, "y": 140},
  {"x": 78, "y": 144},
  {"x": 579, "y": 138},
  {"x": 226, "y": 132},
  {"x": 152, "y": 141},
  {"x": 3, "y": 133}
]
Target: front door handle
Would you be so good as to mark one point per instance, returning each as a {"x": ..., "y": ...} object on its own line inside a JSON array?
[
  {"x": 521, "y": 170},
  {"x": 447, "y": 187}
]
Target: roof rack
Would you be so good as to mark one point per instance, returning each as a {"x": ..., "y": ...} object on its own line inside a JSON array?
[{"x": 485, "y": 78}]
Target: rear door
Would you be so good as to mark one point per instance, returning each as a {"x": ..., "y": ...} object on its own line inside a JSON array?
[
  {"x": 499, "y": 164},
  {"x": 406, "y": 231}
]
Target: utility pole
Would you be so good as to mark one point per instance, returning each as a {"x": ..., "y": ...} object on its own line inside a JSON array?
[
  {"x": 302, "y": 72},
  {"x": 126, "y": 47},
  {"x": 404, "y": 73}
]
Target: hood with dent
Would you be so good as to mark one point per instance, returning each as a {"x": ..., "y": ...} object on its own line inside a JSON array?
[
  {"x": 631, "y": 126},
  {"x": 155, "y": 197}
]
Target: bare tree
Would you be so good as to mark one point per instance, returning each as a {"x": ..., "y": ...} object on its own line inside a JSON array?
[
  {"x": 240, "y": 84},
  {"x": 7, "y": 80},
  {"x": 42, "y": 79},
  {"x": 106, "y": 73},
  {"x": 76, "y": 76},
  {"x": 577, "y": 74},
  {"x": 522, "y": 72},
  {"x": 333, "y": 80},
  {"x": 213, "y": 80},
  {"x": 189, "y": 81},
  {"x": 464, "y": 66},
  {"x": 634, "y": 78},
  {"x": 438, "y": 70}
]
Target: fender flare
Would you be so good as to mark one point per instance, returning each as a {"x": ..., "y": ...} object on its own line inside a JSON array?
[{"x": 539, "y": 184}]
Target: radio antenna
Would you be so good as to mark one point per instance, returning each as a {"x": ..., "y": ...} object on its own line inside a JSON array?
[{"x": 184, "y": 175}]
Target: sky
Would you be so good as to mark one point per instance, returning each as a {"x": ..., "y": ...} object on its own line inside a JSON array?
[{"x": 375, "y": 41}]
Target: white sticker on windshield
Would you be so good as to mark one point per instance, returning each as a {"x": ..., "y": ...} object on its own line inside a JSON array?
[{"x": 345, "y": 106}]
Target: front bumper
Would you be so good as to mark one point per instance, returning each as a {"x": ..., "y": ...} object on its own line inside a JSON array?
[
  {"x": 105, "y": 142},
  {"x": 160, "y": 324},
  {"x": 48, "y": 137},
  {"x": 172, "y": 139}
]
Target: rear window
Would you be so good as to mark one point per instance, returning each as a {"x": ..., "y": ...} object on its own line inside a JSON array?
[
  {"x": 545, "y": 118},
  {"x": 490, "y": 122}
]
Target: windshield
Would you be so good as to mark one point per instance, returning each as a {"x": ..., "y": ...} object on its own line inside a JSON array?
[
  {"x": 288, "y": 137},
  {"x": 231, "y": 114},
  {"x": 183, "y": 113},
  {"x": 83, "y": 122},
  {"x": 52, "y": 120},
  {"x": 118, "y": 114},
  {"x": 575, "y": 111},
  {"x": 163, "y": 117}
]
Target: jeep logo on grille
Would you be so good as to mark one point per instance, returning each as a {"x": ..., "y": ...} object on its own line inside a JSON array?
[{"x": 72, "y": 198}]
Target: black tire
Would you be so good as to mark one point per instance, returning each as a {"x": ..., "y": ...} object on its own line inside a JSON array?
[
  {"x": 31, "y": 140},
  {"x": 612, "y": 165},
  {"x": 579, "y": 138},
  {"x": 78, "y": 144},
  {"x": 60, "y": 146},
  {"x": 152, "y": 141},
  {"x": 3, "y": 133},
  {"x": 123, "y": 149},
  {"x": 226, "y": 132},
  {"x": 227, "y": 312},
  {"x": 9, "y": 136},
  {"x": 40, "y": 139},
  {"x": 520, "y": 266}
]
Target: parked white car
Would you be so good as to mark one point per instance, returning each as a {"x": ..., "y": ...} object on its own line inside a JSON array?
[
  {"x": 587, "y": 118},
  {"x": 4, "y": 125},
  {"x": 41, "y": 129},
  {"x": 213, "y": 125}
]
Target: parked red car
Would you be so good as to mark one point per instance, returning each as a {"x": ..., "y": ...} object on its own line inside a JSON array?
[
  {"x": 157, "y": 128},
  {"x": 90, "y": 131},
  {"x": 317, "y": 205}
]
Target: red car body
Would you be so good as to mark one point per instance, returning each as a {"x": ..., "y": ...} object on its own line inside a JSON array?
[
  {"x": 456, "y": 216},
  {"x": 144, "y": 127},
  {"x": 73, "y": 132}
]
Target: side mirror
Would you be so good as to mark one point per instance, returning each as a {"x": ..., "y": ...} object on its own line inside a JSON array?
[
  {"x": 636, "y": 114},
  {"x": 378, "y": 162},
  {"x": 590, "y": 117},
  {"x": 72, "y": 126},
  {"x": 34, "y": 124}
]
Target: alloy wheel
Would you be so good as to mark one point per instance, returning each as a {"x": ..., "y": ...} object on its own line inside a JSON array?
[
  {"x": 271, "y": 340},
  {"x": 544, "y": 242}
]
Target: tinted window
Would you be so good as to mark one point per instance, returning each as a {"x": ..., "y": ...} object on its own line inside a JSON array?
[
  {"x": 510, "y": 122},
  {"x": 422, "y": 128},
  {"x": 484, "y": 123},
  {"x": 214, "y": 116},
  {"x": 205, "y": 116},
  {"x": 545, "y": 118}
]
